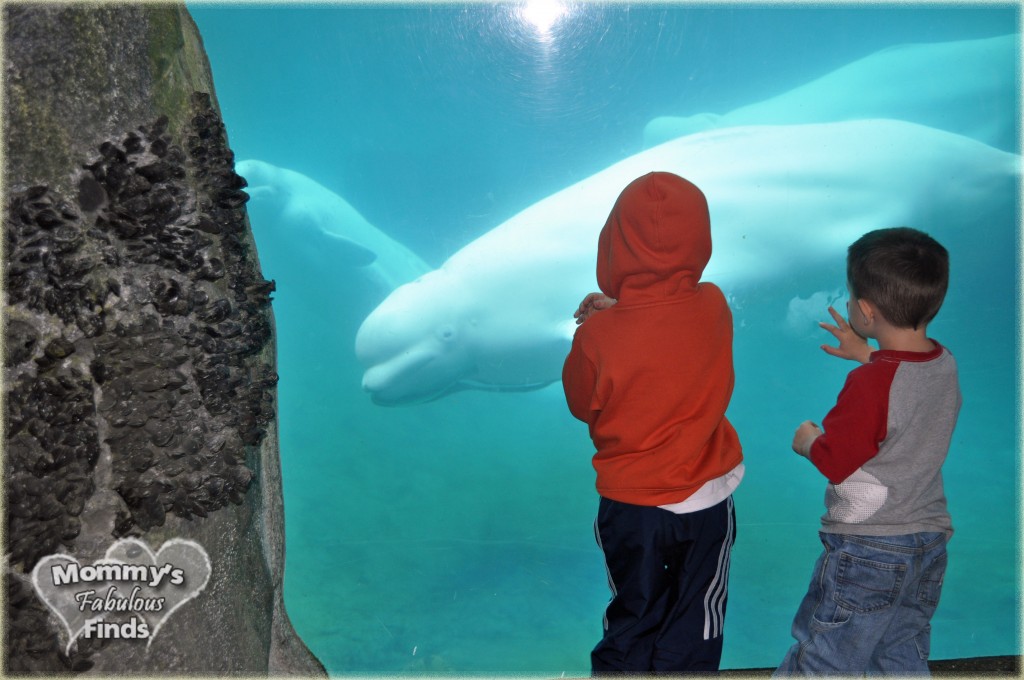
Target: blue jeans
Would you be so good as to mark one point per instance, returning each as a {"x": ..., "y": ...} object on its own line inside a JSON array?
[{"x": 869, "y": 606}]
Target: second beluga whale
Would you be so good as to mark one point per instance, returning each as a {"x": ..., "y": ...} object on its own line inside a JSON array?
[
  {"x": 301, "y": 226},
  {"x": 497, "y": 315},
  {"x": 969, "y": 87}
]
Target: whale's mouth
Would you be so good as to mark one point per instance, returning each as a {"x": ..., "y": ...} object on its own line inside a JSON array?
[
  {"x": 413, "y": 377},
  {"x": 383, "y": 377}
]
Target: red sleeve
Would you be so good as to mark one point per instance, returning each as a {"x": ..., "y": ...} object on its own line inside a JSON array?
[
  {"x": 857, "y": 424},
  {"x": 579, "y": 380}
]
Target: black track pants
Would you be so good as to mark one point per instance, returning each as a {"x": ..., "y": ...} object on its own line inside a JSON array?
[{"x": 669, "y": 578}]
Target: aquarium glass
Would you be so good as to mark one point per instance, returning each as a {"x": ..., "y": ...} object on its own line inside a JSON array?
[{"x": 449, "y": 531}]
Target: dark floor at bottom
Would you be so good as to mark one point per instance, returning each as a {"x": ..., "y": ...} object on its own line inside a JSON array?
[{"x": 983, "y": 666}]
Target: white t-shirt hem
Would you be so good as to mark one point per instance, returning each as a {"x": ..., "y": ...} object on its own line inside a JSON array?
[{"x": 711, "y": 493}]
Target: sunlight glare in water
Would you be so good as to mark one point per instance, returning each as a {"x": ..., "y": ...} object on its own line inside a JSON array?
[{"x": 542, "y": 15}]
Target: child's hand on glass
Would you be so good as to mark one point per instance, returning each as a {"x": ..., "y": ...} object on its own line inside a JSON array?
[
  {"x": 594, "y": 302},
  {"x": 851, "y": 346}
]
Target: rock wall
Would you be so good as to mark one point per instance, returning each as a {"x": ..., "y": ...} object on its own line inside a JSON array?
[{"x": 139, "y": 358}]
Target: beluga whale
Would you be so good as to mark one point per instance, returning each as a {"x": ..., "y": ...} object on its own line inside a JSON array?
[
  {"x": 784, "y": 200},
  {"x": 301, "y": 225},
  {"x": 966, "y": 86}
]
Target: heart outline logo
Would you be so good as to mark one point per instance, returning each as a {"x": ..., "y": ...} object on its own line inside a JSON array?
[
  {"x": 159, "y": 591},
  {"x": 66, "y": 609}
]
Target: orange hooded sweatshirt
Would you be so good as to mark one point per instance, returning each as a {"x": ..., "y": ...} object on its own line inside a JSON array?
[{"x": 652, "y": 375}]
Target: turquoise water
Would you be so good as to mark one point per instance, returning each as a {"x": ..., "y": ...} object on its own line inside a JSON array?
[{"x": 455, "y": 536}]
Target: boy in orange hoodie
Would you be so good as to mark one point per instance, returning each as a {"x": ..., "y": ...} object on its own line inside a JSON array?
[{"x": 652, "y": 376}]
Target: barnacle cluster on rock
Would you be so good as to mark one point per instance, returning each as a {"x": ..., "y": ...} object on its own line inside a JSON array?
[
  {"x": 48, "y": 269},
  {"x": 181, "y": 396},
  {"x": 135, "y": 331},
  {"x": 51, "y": 450}
]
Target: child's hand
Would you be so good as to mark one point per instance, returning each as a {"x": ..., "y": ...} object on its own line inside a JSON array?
[
  {"x": 594, "y": 302},
  {"x": 851, "y": 345},
  {"x": 804, "y": 437}
]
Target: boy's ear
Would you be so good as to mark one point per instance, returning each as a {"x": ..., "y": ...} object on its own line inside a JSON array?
[{"x": 867, "y": 310}]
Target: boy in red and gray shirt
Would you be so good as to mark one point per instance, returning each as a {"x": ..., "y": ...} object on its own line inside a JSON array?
[{"x": 877, "y": 584}]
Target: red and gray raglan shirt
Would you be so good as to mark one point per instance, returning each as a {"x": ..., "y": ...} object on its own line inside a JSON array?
[{"x": 885, "y": 442}]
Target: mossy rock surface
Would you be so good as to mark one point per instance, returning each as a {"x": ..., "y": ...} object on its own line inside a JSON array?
[{"x": 139, "y": 371}]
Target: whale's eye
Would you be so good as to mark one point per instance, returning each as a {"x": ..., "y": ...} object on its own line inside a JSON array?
[{"x": 446, "y": 333}]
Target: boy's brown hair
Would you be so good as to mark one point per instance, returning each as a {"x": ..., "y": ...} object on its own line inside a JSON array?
[{"x": 903, "y": 271}]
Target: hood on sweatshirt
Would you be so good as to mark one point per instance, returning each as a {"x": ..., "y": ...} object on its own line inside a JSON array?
[{"x": 657, "y": 240}]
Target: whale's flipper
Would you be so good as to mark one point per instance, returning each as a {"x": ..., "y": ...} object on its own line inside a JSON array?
[{"x": 348, "y": 253}]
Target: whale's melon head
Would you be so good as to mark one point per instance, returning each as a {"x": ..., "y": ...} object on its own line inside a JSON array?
[{"x": 412, "y": 346}]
